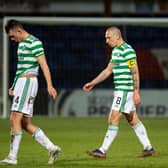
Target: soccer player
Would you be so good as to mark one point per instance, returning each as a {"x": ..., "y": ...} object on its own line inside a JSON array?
[
  {"x": 124, "y": 67},
  {"x": 24, "y": 90}
]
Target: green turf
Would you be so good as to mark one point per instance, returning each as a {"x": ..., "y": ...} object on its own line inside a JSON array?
[{"x": 76, "y": 135}]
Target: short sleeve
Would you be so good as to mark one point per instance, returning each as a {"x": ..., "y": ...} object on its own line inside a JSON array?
[{"x": 37, "y": 48}]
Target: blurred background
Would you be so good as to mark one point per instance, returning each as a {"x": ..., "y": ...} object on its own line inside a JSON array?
[{"x": 73, "y": 36}]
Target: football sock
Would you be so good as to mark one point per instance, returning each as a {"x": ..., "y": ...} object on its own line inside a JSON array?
[
  {"x": 14, "y": 144},
  {"x": 40, "y": 137},
  {"x": 142, "y": 135},
  {"x": 109, "y": 137}
]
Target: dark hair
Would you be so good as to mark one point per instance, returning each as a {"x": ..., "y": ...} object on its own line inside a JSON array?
[{"x": 12, "y": 24}]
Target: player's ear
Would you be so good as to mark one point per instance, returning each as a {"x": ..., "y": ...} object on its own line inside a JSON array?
[{"x": 117, "y": 36}]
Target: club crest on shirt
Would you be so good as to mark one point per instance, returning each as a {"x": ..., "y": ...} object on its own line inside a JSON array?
[{"x": 23, "y": 47}]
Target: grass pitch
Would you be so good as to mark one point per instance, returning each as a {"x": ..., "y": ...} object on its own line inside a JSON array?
[{"x": 76, "y": 135}]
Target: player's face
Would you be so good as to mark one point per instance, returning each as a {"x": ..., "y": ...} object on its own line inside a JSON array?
[
  {"x": 15, "y": 35},
  {"x": 111, "y": 39}
]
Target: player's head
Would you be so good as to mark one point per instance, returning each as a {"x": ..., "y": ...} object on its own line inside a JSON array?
[
  {"x": 113, "y": 36},
  {"x": 14, "y": 30}
]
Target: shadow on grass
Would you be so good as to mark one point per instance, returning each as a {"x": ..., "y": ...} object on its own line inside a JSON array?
[
  {"x": 85, "y": 162},
  {"x": 157, "y": 161}
]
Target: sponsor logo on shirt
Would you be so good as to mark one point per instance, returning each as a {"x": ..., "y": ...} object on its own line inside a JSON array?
[{"x": 23, "y": 47}]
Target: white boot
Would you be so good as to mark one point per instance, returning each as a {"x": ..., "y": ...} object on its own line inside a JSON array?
[
  {"x": 8, "y": 161},
  {"x": 53, "y": 154}
]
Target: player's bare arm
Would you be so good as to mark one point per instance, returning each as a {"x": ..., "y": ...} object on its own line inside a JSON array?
[
  {"x": 10, "y": 92},
  {"x": 43, "y": 64},
  {"x": 101, "y": 77},
  {"x": 135, "y": 76}
]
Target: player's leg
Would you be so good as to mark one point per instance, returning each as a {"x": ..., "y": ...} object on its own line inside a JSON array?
[
  {"x": 15, "y": 139},
  {"x": 110, "y": 135},
  {"x": 35, "y": 131},
  {"x": 41, "y": 138},
  {"x": 141, "y": 133},
  {"x": 112, "y": 130},
  {"x": 114, "y": 118},
  {"x": 20, "y": 92},
  {"x": 16, "y": 133}
]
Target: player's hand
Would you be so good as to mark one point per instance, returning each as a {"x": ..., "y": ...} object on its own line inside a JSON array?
[
  {"x": 88, "y": 86},
  {"x": 10, "y": 92},
  {"x": 136, "y": 97},
  {"x": 52, "y": 92}
]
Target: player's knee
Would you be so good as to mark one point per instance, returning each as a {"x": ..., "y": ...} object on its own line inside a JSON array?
[
  {"x": 14, "y": 119},
  {"x": 130, "y": 122},
  {"x": 12, "y": 122},
  {"x": 114, "y": 119}
]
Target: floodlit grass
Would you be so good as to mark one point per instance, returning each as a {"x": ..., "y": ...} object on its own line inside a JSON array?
[{"x": 76, "y": 135}]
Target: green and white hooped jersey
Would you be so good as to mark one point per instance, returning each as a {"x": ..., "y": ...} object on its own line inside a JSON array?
[
  {"x": 122, "y": 59},
  {"x": 28, "y": 51}
]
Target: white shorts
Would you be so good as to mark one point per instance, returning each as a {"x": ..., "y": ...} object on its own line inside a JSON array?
[
  {"x": 25, "y": 92},
  {"x": 123, "y": 102}
]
